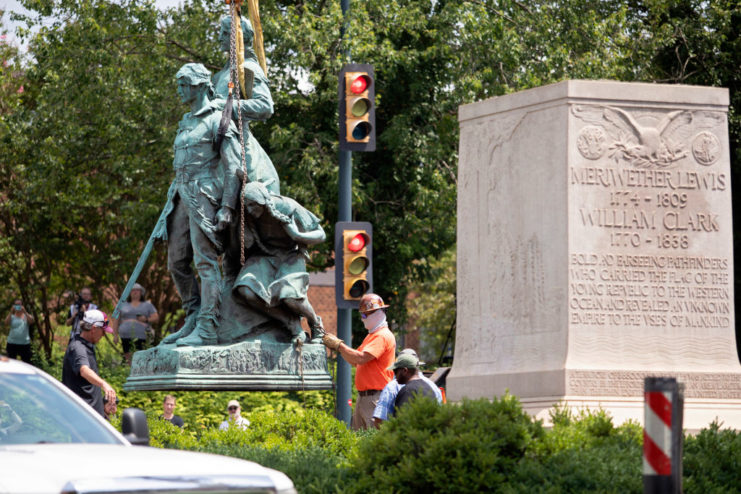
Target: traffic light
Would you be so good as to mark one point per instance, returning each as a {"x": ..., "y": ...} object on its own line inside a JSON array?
[
  {"x": 357, "y": 108},
  {"x": 353, "y": 250}
]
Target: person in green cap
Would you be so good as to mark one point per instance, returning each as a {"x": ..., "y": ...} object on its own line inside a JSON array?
[{"x": 406, "y": 371}]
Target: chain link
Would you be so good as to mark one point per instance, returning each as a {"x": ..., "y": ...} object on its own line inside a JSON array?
[{"x": 234, "y": 89}]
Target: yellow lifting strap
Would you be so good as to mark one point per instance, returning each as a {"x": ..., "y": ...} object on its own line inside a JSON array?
[{"x": 253, "y": 9}]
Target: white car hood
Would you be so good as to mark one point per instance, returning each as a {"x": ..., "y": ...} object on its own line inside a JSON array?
[{"x": 56, "y": 468}]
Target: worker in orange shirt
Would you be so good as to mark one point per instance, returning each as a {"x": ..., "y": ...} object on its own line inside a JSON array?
[{"x": 373, "y": 358}]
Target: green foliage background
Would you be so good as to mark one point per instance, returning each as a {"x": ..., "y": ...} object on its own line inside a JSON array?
[
  {"x": 86, "y": 148},
  {"x": 85, "y": 153}
]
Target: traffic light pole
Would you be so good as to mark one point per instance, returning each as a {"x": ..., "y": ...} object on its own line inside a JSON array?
[{"x": 344, "y": 316}]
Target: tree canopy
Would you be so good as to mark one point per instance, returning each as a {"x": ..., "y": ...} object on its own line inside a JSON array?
[{"x": 86, "y": 147}]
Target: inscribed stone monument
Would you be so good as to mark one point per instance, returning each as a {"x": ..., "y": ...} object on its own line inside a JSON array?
[{"x": 595, "y": 249}]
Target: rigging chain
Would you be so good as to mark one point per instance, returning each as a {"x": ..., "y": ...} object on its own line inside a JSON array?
[{"x": 235, "y": 68}]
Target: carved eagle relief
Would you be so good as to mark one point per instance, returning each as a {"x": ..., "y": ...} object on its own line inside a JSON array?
[{"x": 648, "y": 141}]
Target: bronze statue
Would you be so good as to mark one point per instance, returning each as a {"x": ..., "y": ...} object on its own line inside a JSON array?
[{"x": 243, "y": 325}]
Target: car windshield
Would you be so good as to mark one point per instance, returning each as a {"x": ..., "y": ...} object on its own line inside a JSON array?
[{"x": 33, "y": 410}]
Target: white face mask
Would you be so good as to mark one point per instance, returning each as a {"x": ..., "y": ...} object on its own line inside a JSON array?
[{"x": 374, "y": 320}]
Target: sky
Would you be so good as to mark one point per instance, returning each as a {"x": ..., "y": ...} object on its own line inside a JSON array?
[{"x": 15, "y": 6}]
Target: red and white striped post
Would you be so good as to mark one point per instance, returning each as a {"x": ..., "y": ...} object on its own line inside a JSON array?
[{"x": 662, "y": 435}]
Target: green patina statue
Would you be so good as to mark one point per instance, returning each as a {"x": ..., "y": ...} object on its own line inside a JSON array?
[
  {"x": 243, "y": 324},
  {"x": 274, "y": 280},
  {"x": 203, "y": 198}
]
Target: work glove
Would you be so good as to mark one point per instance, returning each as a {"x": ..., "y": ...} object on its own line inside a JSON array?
[{"x": 331, "y": 341}]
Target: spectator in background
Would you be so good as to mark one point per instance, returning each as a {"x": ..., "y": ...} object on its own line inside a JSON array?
[
  {"x": 77, "y": 309},
  {"x": 136, "y": 317},
  {"x": 385, "y": 407},
  {"x": 19, "y": 338},
  {"x": 235, "y": 417},
  {"x": 168, "y": 412},
  {"x": 80, "y": 368}
]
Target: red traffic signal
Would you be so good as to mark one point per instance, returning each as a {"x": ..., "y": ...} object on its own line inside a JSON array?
[
  {"x": 360, "y": 83},
  {"x": 353, "y": 262},
  {"x": 357, "y": 108},
  {"x": 357, "y": 242}
]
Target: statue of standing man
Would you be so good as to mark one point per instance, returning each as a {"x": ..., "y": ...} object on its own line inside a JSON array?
[
  {"x": 203, "y": 200},
  {"x": 203, "y": 223}
]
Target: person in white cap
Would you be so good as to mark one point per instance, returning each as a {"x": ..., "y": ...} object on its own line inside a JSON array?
[
  {"x": 80, "y": 368},
  {"x": 235, "y": 417},
  {"x": 385, "y": 407}
]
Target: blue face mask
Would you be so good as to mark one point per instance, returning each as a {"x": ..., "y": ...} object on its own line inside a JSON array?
[{"x": 17, "y": 307}]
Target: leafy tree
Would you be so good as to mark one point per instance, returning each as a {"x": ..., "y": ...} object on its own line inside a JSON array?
[
  {"x": 90, "y": 143},
  {"x": 12, "y": 87}
]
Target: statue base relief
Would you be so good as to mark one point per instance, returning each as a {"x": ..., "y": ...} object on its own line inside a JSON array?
[{"x": 262, "y": 364}]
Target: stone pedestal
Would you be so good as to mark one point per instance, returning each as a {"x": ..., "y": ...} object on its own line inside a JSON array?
[
  {"x": 262, "y": 364},
  {"x": 595, "y": 249}
]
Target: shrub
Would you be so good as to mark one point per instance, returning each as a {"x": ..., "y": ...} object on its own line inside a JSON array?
[
  {"x": 433, "y": 448},
  {"x": 712, "y": 461},
  {"x": 582, "y": 453},
  {"x": 312, "y": 470},
  {"x": 310, "y": 446}
]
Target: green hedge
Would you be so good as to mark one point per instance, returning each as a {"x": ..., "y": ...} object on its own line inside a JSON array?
[
  {"x": 585, "y": 453},
  {"x": 476, "y": 445},
  {"x": 712, "y": 461},
  {"x": 310, "y": 446},
  {"x": 432, "y": 448}
]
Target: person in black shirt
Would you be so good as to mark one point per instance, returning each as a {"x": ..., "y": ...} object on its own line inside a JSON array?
[
  {"x": 406, "y": 370},
  {"x": 80, "y": 368},
  {"x": 168, "y": 412}
]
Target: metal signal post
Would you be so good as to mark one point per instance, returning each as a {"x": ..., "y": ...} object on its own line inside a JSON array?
[{"x": 357, "y": 132}]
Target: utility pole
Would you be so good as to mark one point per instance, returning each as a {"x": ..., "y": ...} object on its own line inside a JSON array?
[{"x": 344, "y": 321}]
